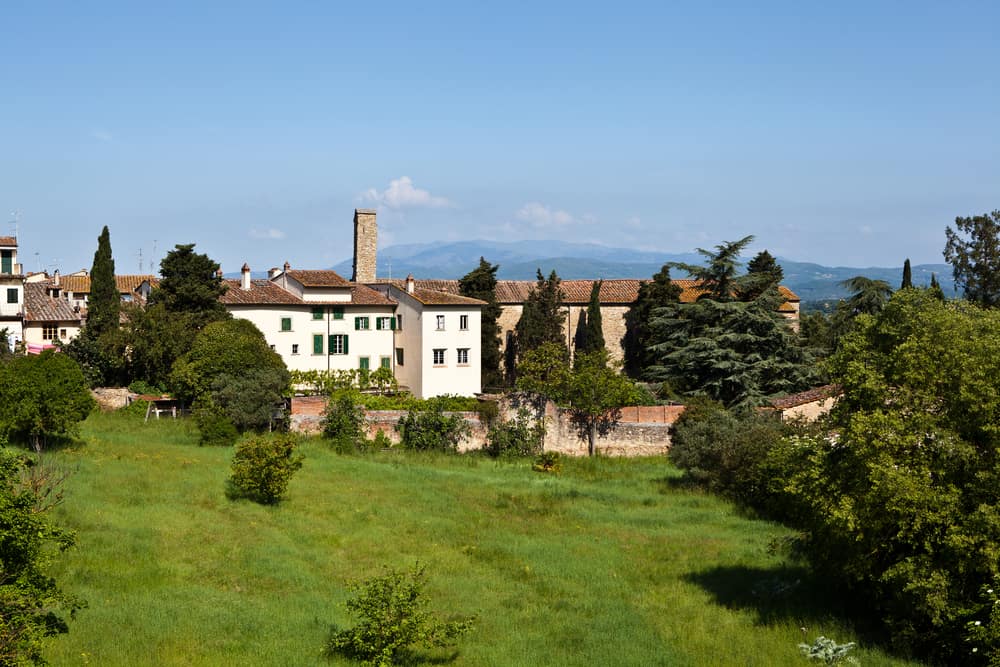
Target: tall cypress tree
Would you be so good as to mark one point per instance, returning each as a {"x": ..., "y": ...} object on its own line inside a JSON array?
[
  {"x": 660, "y": 292},
  {"x": 542, "y": 316},
  {"x": 907, "y": 276},
  {"x": 481, "y": 283},
  {"x": 595, "y": 330},
  {"x": 104, "y": 302}
]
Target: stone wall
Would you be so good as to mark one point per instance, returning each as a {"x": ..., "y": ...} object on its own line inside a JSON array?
[
  {"x": 111, "y": 398},
  {"x": 612, "y": 324},
  {"x": 365, "y": 245},
  {"x": 641, "y": 431}
]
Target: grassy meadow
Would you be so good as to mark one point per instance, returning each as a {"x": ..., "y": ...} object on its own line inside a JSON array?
[{"x": 609, "y": 563}]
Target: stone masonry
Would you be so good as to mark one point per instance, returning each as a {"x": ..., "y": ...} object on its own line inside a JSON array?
[{"x": 365, "y": 245}]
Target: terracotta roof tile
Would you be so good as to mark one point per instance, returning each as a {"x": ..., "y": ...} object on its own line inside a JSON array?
[
  {"x": 8, "y": 241},
  {"x": 126, "y": 283},
  {"x": 40, "y": 307},
  {"x": 265, "y": 292},
  {"x": 319, "y": 278},
  {"x": 808, "y": 396}
]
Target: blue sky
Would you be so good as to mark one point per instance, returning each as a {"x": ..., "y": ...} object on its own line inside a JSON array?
[{"x": 840, "y": 133}]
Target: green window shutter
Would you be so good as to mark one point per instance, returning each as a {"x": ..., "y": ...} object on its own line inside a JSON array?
[
  {"x": 345, "y": 344},
  {"x": 378, "y": 323},
  {"x": 286, "y": 324},
  {"x": 357, "y": 323},
  {"x": 329, "y": 344},
  {"x": 317, "y": 313},
  {"x": 317, "y": 343},
  {"x": 338, "y": 312},
  {"x": 363, "y": 363},
  {"x": 392, "y": 323},
  {"x": 386, "y": 361}
]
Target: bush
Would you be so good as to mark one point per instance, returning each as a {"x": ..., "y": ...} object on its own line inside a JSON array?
[
  {"x": 432, "y": 429},
  {"x": 262, "y": 467},
  {"x": 394, "y": 617},
  {"x": 214, "y": 428},
  {"x": 344, "y": 418},
  {"x": 548, "y": 462},
  {"x": 520, "y": 436}
]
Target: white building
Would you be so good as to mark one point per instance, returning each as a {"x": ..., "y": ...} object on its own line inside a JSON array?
[
  {"x": 48, "y": 317},
  {"x": 11, "y": 290}
]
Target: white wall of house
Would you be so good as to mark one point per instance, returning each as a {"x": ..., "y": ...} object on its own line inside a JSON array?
[
  {"x": 47, "y": 333},
  {"x": 11, "y": 296},
  {"x": 409, "y": 374},
  {"x": 303, "y": 334},
  {"x": 454, "y": 375}
]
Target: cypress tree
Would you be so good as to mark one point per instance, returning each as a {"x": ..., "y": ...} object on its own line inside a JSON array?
[
  {"x": 481, "y": 283},
  {"x": 763, "y": 273},
  {"x": 907, "y": 276},
  {"x": 660, "y": 292},
  {"x": 595, "y": 331},
  {"x": 104, "y": 302},
  {"x": 542, "y": 317}
]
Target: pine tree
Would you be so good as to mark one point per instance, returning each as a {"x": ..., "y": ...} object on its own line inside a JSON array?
[
  {"x": 975, "y": 260},
  {"x": 719, "y": 276},
  {"x": 481, "y": 283},
  {"x": 191, "y": 285},
  {"x": 542, "y": 316},
  {"x": 104, "y": 302},
  {"x": 763, "y": 273},
  {"x": 658, "y": 293},
  {"x": 907, "y": 275}
]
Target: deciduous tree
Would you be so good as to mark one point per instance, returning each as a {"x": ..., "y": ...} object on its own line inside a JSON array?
[{"x": 973, "y": 250}]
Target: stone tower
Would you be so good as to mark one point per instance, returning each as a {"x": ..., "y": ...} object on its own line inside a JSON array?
[{"x": 365, "y": 245}]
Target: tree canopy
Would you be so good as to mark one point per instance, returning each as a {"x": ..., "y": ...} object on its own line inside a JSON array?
[
  {"x": 590, "y": 334},
  {"x": 542, "y": 317},
  {"x": 660, "y": 292},
  {"x": 190, "y": 284},
  {"x": 104, "y": 302},
  {"x": 481, "y": 283},
  {"x": 763, "y": 273},
  {"x": 907, "y": 275},
  {"x": 973, "y": 250},
  {"x": 719, "y": 277}
]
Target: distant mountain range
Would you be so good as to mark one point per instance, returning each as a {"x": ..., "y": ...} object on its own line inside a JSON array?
[{"x": 520, "y": 260}]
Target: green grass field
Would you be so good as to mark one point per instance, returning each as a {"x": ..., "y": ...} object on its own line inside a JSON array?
[{"x": 609, "y": 563}]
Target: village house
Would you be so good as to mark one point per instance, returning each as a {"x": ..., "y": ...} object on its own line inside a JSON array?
[{"x": 11, "y": 290}]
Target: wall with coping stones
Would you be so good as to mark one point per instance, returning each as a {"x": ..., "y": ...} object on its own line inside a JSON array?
[{"x": 641, "y": 431}]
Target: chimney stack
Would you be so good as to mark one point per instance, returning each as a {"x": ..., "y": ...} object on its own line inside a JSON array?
[
  {"x": 218, "y": 273},
  {"x": 410, "y": 284},
  {"x": 273, "y": 271},
  {"x": 245, "y": 277},
  {"x": 55, "y": 277},
  {"x": 365, "y": 245}
]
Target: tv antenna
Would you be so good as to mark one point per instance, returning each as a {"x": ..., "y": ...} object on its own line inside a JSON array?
[
  {"x": 140, "y": 260},
  {"x": 16, "y": 215}
]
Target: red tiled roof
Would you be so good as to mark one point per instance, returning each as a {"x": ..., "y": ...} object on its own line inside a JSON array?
[
  {"x": 808, "y": 396},
  {"x": 126, "y": 283},
  {"x": 319, "y": 278},
  {"x": 8, "y": 241},
  {"x": 265, "y": 292},
  {"x": 40, "y": 307}
]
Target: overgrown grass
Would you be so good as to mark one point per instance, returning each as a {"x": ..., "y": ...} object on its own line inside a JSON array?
[{"x": 606, "y": 564}]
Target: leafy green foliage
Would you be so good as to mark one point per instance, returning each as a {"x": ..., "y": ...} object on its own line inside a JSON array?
[
  {"x": 383, "y": 381},
  {"x": 907, "y": 275},
  {"x": 544, "y": 371},
  {"x": 973, "y": 250},
  {"x": 661, "y": 292},
  {"x": 214, "y": 428},
  {"x": 431, "y": 429},
  {"x": 45, "y": 397},
  {"x": 982, "y": 632},
  {"x": 153, "y": 338},
  {"x": 190, "y": 284},
  {"x": 542, "y": 316},
  {"x": 32, "y": 605},
  {"x": 763, "y": 273},
  {"x": 481, "y": 283},
  {"x": 868, "y": 296},
  {"x": 719, "y": 277},
  {"x": 520, "y": 436},
  {"x": 548, "y": 462},
  {"x": 262, "y": 467},
  {"x": 590, "y": 333},
  {"x": 392, "y": 608},
  {"x": 734, "y": 352},
  {"x": 344, "y": 418},
  {"x": 828, "y": 651},
  {"x": 104, "y": 301},
  {"x": 252, "y": 400}
]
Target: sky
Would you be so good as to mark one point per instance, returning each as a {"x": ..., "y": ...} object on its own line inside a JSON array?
[{"x": 844, "y": 133}]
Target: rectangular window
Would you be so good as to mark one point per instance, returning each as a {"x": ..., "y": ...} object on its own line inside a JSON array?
[
  {"x": 463, "y": 356},
  {"x": 338, "y": 344},
  {"x": 317, "y": 343},
  {"x": 385, "y": 323},
  {"x": 317, "y": 313},
  {"x": 463, "y": 322},
  {"x": 6, "y": 261},
  {"x": 338, "y": 312},
  {"x": 49, "y": 331},
  {"x": 361, "y": 323},
  {"x": 364, "y": 363},
  {"x": 399, "y": 356},
  {"x": 11, "y": 295},
  {"x": 438, "y": 357},
  {"x": 62, "y": 334},
  {"x": 440, "y": 322},
  {"x": 399, "y": 322},
  {"x": 295, "y": 348},
  {"x": 286, "y": 324}
]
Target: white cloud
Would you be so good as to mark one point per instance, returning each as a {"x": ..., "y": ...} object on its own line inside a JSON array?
[
  {"x": 540, "y": 215},
  {"x": 101, "y": 135},
  {"x": 270, "y": 234},
  {"x": 402, "y": 194}
]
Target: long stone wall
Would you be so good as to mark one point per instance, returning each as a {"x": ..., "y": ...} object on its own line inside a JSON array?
[{"x": 640, "y": 431}]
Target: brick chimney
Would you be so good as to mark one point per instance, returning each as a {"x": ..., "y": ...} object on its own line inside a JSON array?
[
  {"x": 245, "y": 277},
  {"x": 365, "y": 245}
]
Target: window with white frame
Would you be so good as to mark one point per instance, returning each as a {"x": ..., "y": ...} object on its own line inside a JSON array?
[
  {"x": 463, "y": 356},
  {"x": 439, "y": 356},
  {"x": 361, "y": 323},
  {"x": 49, "y": 331},
  {"x": 385, "y": 323},
  {"x": 295, "y": 348},
  {"x": 440, "y": 322},
  {"x": 337, "y": 344},
  {"x": 463, "y": 322}
]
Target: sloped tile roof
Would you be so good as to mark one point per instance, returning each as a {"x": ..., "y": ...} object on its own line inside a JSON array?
[
  {"x": 430, "y": 297},
  {"x": 8, "y": 241},
  {"x": 319, "y": 278},
  {"x": 265, "y": 292},
  {"x": 40, "y": 307},
  {"x": 808, "y": 396},
  {"x": 126, "y": 283}
]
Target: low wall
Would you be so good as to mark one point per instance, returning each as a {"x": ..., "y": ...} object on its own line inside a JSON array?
[{"x": 640, "y": 430}]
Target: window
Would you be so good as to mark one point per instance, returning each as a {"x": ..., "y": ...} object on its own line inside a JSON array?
[
  {"x": 399, "y": 356},
  {"x": 385, "y": 362},
  {"x": 11, "y": 295},
  {"x": 338, "y": 344},
  {"x": 399, "y": 322},
  {"x": 317, "y": 343},
  {"x": 6, "y": 261},
  {"x": 317, "y": 313},
  {"x": 438, "y": 357},
  {"x": 295, "y": 348},
  {"x": 286, "y": 324},
  {"x": 440, "y": 322},
  {"x": 384, "y": 323},
  {"x": 463, "y": 322},
  {"x": 62, "y": 333},
  {"x": 338, "y": 312},
  {"x": 272, "y": 348},
  {"x": 364, "y": 363},
  {"x": 361, "y": 323},
  {"x": 463, "y": 356},
  {"x": 49, "y": 331}
]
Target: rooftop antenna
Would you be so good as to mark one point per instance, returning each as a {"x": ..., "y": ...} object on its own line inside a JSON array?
[
  {"x": 38, "y": 262},
  {"x": 140, "y": 260},
  {"x": 17, "y": 219}
]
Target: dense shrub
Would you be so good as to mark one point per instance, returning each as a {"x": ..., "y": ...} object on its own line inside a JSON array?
[
  {"x": 262, "y": 467},
  {"x": 549, "y": 462},
  {"x": 394, "y": 616},
  {"x": 214, "y": 428},
  {"x": 344, "y": 419},
  {"x": 252, "y": 400},
  {"x": 520, "y": 436},
  {"x": 432, "y": 429}
]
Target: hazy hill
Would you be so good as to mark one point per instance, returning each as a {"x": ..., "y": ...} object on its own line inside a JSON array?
[{"x": 519, "y": 260}]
